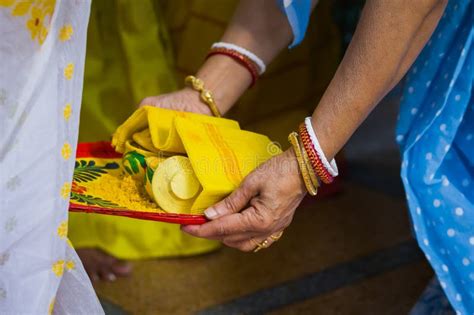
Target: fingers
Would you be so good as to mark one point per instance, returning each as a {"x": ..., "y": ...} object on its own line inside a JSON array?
[
  {"x": 245, "y": 224},
  {"x": 219, "y": 228},
  {"x": 230, "y": 230},
  {"x": 233, "y": 203}
]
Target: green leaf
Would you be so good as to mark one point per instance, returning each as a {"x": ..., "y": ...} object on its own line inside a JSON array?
[
  {"x": 93, "y": 201},
  {"x": 88, "y": 171}
]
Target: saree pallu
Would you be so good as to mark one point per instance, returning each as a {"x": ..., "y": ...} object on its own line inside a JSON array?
[
  {"x": 42, "y": 57},
  {"x": 435, "y": 132}
]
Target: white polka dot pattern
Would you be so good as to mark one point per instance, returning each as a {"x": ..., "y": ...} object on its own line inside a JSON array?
[{"x": 435, "y": 132}]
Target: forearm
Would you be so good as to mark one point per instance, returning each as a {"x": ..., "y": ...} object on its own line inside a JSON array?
[
  {"x": 258, "y": 26},
  {"x": 387, "y": 40}
]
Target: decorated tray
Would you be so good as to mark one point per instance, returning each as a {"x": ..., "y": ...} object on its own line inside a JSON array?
[{"x": 100, "y": 186}]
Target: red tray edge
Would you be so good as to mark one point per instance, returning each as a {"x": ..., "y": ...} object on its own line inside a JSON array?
[{"x": 185, "y": 219}]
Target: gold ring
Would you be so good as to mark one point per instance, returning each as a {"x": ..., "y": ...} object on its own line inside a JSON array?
[
  {"x": 265, "y": 244},
  {"x": 276, "y": 236},
  {"x": 258, "y": 246}
]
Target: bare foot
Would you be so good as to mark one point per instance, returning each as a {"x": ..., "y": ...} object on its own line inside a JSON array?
[{"x": 100, "y": 265}]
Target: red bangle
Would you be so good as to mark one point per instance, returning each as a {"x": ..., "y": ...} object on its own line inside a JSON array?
[
  {"x": 241, "y": 59},
  {"x": 316, "y": 163}
]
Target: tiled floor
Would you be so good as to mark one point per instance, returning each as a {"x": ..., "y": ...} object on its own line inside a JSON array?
[
  {"x": 394, "y": 292},
  {"x": 357, "y": 223}
]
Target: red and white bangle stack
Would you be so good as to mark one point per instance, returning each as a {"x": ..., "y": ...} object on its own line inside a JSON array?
[
  {"x": 325, "y": 171},
  {"x": 246, "y": 58}
]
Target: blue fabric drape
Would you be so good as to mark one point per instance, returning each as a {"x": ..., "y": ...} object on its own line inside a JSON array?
[{"x": 435, "y": 133}]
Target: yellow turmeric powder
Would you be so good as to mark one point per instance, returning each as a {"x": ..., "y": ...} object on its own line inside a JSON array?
[{"x": 124, "y": 191}]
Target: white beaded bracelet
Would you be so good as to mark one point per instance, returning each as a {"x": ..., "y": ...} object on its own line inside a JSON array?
[
  {"x": 331, "y": 167},
  {"x": 245, "y": 52}
]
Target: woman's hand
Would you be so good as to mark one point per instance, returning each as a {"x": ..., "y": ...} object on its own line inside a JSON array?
[
  {"x": 262, "y": 206},
  {"x": 185, "y": 100}
]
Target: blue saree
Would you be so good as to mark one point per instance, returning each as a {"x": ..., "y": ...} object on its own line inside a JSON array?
[
  {"x": 436, "y": 137},
  {"x": 435, "y": 132}
]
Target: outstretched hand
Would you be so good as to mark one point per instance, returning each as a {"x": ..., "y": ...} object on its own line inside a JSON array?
[{"x": 259, "y": 210}]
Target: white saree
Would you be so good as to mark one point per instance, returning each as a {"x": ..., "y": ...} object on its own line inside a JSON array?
[{"x": 42, "y": 51}]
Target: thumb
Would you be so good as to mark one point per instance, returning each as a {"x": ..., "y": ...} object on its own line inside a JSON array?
[{"x": 233, "y": 203}]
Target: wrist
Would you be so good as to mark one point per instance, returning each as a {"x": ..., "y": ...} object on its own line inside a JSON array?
[
  {"x": 194, "y": 102},
  {"x": 226, "y": 79},
  {"x": 324, "y": 132}
]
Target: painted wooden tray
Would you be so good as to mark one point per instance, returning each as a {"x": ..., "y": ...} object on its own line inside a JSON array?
[{"x": 96, "y": 164}]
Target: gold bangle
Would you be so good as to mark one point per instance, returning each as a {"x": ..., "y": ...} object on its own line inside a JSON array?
[
  {"x": 293, "y": 139},
  {"x": 309, "y": 166},
  {"x": 206, "y": 95}
]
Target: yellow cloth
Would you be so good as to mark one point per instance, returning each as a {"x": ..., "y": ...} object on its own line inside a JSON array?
[
  {"x": 220, "y": 153},
  {"x": 162, "y": 129},
  {"x": 129, "y": 57}
]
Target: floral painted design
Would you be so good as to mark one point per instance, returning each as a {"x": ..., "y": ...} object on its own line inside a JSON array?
[
  {"x": 134, "y": 163},
  {"x": 76, "y": 188},
  {"x": 93, "y": 201},
  {"x": 38, "y": 13},
  {"x": 86, "y": 171}
]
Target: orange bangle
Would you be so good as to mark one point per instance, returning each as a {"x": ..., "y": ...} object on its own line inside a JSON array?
[
  {"x": 241, "y": 59},
  {"x": 318, "y": 166}
]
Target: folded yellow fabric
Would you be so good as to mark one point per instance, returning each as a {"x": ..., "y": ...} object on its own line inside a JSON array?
[
  {"x": 143, "y": 139},
  {"x": 132, "y": 146},
  {"x": 219, "y": 156},
  {"x": 160, "y": 123}
]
